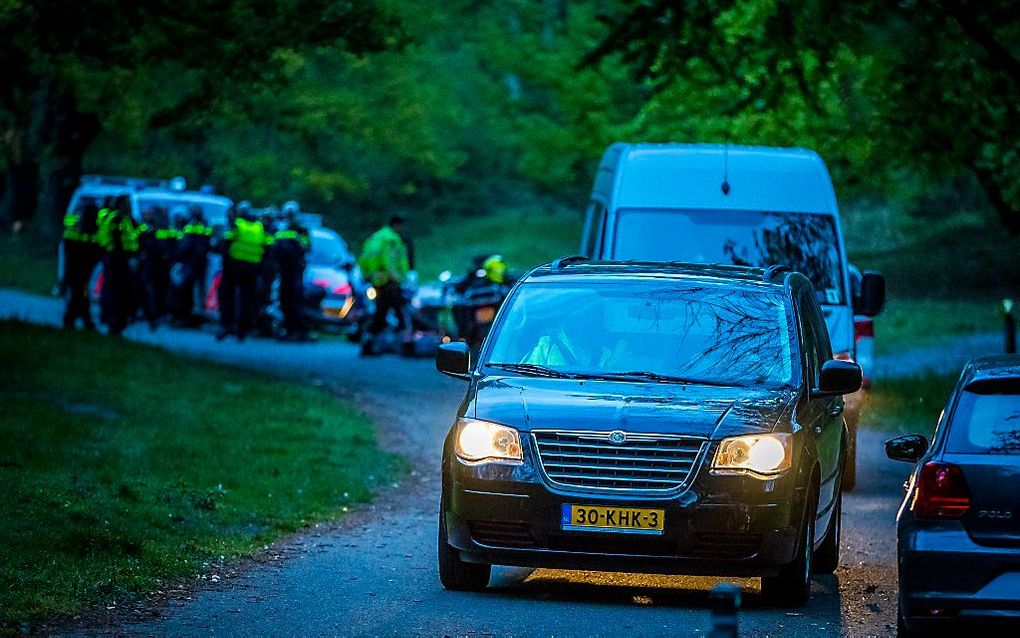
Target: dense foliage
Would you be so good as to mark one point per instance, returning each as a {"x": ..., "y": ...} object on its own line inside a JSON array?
[{"x": 460, "y": 106}]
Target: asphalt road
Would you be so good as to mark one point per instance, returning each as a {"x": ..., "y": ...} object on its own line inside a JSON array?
[{"x": 374, "y": 573}]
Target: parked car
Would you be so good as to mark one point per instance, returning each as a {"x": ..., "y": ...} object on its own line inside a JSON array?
[
  {"x": 742, "y": 205},
  {"x": 958, "y": 529},
  {"x": 333, "y": 268},
  {"x": 580, "y": 446}
]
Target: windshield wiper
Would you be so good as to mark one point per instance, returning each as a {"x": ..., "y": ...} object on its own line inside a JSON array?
[
  {"x": 645, "y": 375},
  {"x": 532, "y": 369}
]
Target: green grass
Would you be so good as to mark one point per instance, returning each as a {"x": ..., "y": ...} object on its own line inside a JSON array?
[
  {"x": 25, "y": 265},
  {"x": 946, "y": 273},
  {"x": 525, "y": 237},
  {"x": 124, "y": 466},
  {"x": 908, "y": 405},
  {"x": 907, "y": 323}
]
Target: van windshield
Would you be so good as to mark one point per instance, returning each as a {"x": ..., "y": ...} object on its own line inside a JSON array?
[
  {"x": 215, "y": 212},
  {"x": 807, "y": 243}
]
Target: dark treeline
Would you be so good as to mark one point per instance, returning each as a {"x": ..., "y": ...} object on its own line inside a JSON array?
[{"x": 447, "y": 107}]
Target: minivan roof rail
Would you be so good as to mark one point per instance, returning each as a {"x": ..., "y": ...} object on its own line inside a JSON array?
[
  {"x": 566, "y": 261},
  {"x": 774, "y": 270}
]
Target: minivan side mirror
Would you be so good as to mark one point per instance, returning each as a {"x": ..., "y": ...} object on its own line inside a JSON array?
[
  {"x": 839, "y": 377},
  {"x": 909, "y": 448},
  {"x": 871, "y": 299},
  {"x": 454, "y": 359}
]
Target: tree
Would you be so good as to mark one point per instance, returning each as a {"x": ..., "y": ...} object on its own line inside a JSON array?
[
  {"x": 71, "y": 68},
  {"x": 932, "y": 85}
]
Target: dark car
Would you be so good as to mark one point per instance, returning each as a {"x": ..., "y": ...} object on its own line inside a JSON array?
[
  {"x": 958, "y": 529},
  {"x": 649, "y": 417}
]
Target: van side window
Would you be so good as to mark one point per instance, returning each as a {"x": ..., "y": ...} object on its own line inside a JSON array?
[{"x": 594, "y": 220}]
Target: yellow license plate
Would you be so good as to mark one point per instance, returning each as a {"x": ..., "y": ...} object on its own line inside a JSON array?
[
  {"x": 485, "y": 314},
  {"x": 596, "y": 518}
]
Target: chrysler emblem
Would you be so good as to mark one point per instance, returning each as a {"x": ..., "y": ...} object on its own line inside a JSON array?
[{"x": 617, "y": 437}]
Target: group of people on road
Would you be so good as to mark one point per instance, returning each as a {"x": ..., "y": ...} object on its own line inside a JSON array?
[
  {"x": 255, "y": 252},
  {"x": 137, "y": 258},
  {"x": 156, "y": 268}
]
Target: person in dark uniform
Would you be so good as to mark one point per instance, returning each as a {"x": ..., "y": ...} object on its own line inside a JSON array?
[
  {"x": 194, "y": 258},
  {"x": 120, "y": 242},
  {"x": 149, "y": 257},
  {"x": 244, "y": 251},
  {"x": 81, "y": 254},
  {"x": 290, "y": 247}
]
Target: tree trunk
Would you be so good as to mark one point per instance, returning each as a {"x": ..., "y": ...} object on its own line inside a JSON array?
[
  {"x": 20, "y": 181},
  {"x": 62, "y": 135},
  {"x": 1008, "y": 215}
]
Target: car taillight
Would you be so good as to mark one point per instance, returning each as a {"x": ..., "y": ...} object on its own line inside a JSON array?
[
  {"x": 326, "y": 284},
  {"x": 941, "y": 492},
  {"x": 864, "y": 328}
]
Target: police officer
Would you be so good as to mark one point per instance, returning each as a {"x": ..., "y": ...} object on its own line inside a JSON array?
[
  {"x": 384, "y": 262},
  {"x": 81, "y": 254},
  {"x": 290, "y": 245},
  {"x": 244, "y": 250},
  {"x": 120, "y": 243},
  {"x": 149, "y": 257},
  {"x": 196, "y": 239}
]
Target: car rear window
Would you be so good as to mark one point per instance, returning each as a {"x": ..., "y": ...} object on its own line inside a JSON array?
[{"x": 986, "y": 420}]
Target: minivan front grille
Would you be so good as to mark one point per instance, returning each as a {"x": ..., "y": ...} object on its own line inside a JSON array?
[{"x": 618, "y": 460}]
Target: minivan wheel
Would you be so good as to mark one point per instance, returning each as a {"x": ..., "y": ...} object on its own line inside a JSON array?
[
  {"x": 454, "y": 573},
  {"x": 791, "y": 587},
  {"x": 827, "y": 555}
]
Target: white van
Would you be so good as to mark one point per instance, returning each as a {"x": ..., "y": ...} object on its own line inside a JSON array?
[{"x": 754, "y": 206}]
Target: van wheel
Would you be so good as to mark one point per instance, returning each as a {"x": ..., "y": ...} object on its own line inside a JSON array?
[
  {"x": 791, "y": 587},
  {"x": 454, "y": 573},
  {"x": 827, "y": 555}
]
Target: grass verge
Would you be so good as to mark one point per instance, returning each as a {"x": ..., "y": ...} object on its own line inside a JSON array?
[
  {"x": 907, "y": 405},
  {"x": 124, "y": 466},
  {"x": 26, "y": 265},
  {"x": 526, "y": 237}
]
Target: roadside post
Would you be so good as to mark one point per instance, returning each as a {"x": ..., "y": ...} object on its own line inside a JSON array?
[
  {"x": 725, "y": 601},
  {"x": 1009, "y": 324}
]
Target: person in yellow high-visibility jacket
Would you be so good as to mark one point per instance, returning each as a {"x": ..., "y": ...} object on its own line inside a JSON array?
[
  {"x": 244, "y": 249},
  {"x": 384, "y": 263}
]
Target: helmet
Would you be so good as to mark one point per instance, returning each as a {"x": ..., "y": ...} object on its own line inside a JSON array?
[
  {"x": 243, "y": 209},
  {"x": 495, "y": 269},
  {"x": 290, "y": 209}
]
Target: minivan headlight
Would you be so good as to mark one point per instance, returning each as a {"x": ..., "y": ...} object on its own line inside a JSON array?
[
  {"x": 481, "y": 441},
  {"x": 761, "y": 455}
]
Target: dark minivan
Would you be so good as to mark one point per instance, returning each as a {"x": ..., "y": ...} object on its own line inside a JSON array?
[
  {"x": 649, "y": 417},
  {"x": 958, "y": 529}
]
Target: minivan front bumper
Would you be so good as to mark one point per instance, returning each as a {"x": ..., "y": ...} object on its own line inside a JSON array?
[{"x": 726, "y": 526}]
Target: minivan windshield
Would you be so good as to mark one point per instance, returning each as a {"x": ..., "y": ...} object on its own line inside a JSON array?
[
  {"x": 653, "y": 330},
  {"x": 807, "y": 243}
]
